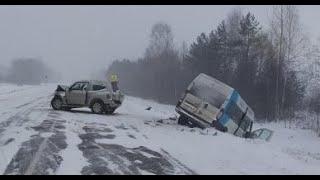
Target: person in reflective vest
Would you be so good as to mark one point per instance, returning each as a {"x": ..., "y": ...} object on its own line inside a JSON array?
[{"x": 114, "y": 83}]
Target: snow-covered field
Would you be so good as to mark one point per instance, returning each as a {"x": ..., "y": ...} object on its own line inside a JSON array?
[{"x": 34, "y": 139}]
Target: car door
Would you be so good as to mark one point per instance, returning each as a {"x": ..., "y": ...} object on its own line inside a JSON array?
[
  {"x": 191, "y": 104},
  {"x": 77, "y": 93},
  {"x": 264, "y": 134},
  {"x": 208, "y": 112}
]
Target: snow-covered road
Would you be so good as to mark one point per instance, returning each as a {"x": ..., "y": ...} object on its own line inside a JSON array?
[{"x": 34, "y": 139}]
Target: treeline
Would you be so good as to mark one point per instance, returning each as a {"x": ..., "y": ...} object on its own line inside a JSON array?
[
  {"x": 159, "y": 74},
  {"x": 260, "y": 63},
  {"x": 28, "y": 71}
]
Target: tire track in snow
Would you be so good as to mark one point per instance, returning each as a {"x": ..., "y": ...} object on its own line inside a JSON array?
[
  {"x": 14, "y": 91},
  {"x": 40, "y": 154},
  {"x": 20, "y": 117},
  {"x": 30, "y": 102},
  {"x": 13, "y": 129},
  {"x": 30, "y": 169},
  {"x": 115, "y": 158}
]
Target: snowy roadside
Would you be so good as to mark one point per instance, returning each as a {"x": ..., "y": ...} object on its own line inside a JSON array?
[
  {"x": 290, "y": 151},
  {"x": 136, "y": 141}
]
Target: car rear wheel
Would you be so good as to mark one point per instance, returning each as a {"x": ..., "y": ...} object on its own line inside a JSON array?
[
  {"x": 56, "y": 103},
  {"x": 97, "y": 107},
  {"x": 110, "y": 110},
  {"x": 67, "y": 109}
]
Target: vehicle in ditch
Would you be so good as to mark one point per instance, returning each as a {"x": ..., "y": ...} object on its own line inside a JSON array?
[
  {"x": 97, "y": 95},
  {"x": 208, "y": 102}
]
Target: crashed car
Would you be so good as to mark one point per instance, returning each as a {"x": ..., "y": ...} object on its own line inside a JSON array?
[
  {"x": 97, "y": 95},
  {"x": 207, "y": 102}
]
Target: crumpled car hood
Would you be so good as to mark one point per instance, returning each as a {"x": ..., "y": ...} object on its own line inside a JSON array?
[{"x": 62, "y": 88}]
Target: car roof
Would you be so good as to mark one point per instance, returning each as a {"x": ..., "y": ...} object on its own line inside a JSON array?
[{"x": 93, "y": 81}]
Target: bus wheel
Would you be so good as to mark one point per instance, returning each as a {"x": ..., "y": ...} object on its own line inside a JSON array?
[{"x": 182, "y": 121}]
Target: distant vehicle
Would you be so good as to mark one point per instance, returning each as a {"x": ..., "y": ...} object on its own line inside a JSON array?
[
  {"x": 96, "y": 95},
  {"x": 207, "y": 102}
]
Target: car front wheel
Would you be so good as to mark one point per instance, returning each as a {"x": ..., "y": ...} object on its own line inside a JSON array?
[{"x": 56, "y": 103}]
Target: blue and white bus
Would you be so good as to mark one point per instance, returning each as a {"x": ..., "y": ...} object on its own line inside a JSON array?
[{"x": 208, "y": 102}]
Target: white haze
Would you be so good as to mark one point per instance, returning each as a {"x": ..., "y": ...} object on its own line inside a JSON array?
[{"x": 76, "y": 41}]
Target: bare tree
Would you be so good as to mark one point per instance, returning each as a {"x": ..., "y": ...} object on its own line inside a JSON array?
[
  {"x": 233, "y": 22},
  {"x": 161, "y": 63},
  {"x": 288, "y": 38},
  {"x": 161, "y": 40},
  {"x": 277, "y": 32},
  {"x": 311, "y": 73},
  {"x": 184, "y": 50}
]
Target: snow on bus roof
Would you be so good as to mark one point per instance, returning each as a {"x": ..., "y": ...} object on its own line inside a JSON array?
[{"x": 207, "y": 77}]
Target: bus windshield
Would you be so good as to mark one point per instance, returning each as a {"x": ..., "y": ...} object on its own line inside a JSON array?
[{"x": 207, "y": 93}]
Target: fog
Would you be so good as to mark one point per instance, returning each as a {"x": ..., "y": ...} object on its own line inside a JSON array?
[{"x": 77, "y": 41}]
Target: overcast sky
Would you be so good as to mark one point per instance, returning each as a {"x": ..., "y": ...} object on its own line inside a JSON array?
[{"x": 76, "y": 40}]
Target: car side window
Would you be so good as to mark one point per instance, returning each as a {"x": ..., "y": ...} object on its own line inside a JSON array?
[
  {"x": 79, "y": 86},
  {"x": 84, "y": 86},
  {"x": 76, "y": 86},
  {"x": 96, "y": 87}
]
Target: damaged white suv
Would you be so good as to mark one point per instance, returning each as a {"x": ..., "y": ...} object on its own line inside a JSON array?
[{"x": 97, "y": 95}]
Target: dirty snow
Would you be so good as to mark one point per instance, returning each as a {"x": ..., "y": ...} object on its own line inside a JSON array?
[{"x": 136, "y": 141}]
